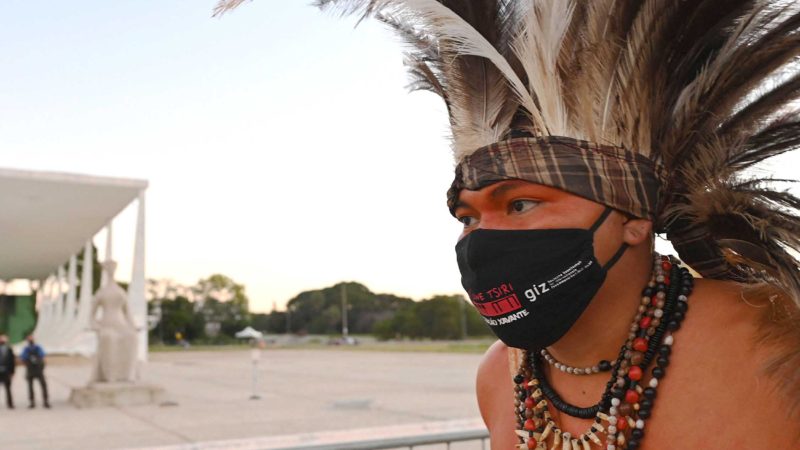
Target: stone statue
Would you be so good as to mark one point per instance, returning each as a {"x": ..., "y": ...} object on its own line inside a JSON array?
[{"x": 116, "y": 332}]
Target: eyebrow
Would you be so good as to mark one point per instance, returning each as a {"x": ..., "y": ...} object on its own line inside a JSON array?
[
  {"x": 503, "y": 188},
  {"x": 496, "y": 192},
  {"x": 461, "y": 204}
]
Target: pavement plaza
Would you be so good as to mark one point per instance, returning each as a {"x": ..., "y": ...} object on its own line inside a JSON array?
[{"x": 208, "y": 398}]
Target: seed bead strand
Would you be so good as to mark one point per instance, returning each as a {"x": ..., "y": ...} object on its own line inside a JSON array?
[
  {"x": 624, "y": 407},
  {"x": 639, "y": 402},
  {"x": 602, "y": 366},
  {"x": 537, "y": 417},
  {"x": 627, "y": 408},
  {"x": 646, "y": 309},
  {"x": 536, "y": 423},
  {"x": 605, "y": 365}
]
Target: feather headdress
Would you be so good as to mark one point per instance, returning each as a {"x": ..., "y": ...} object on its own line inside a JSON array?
[
  {"x": 669, "y": 105},
  {"x": 702, "y": 90}
]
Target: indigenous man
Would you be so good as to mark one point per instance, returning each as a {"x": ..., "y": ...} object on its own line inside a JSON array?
[{"x": 581, "y": 129}]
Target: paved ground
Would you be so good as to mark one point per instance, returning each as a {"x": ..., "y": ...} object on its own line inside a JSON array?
[{"x": 208, "y": 393}]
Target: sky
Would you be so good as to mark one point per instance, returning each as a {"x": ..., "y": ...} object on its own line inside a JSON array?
[
  {"x": 281, "y": 146},
  {"x": 280, "y": 143}
]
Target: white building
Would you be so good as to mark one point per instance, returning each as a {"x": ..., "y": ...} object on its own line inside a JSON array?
[{"x": 46, "y": 219}]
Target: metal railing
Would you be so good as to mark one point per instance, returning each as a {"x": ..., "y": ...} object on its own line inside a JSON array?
[
  {"x": 382, "y": 438},
  {"x": 409, "y": 442}
]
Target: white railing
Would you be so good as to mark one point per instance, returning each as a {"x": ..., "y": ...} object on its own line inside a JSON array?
[
  {"x": 384, "y": 438},
  {"x": 409, "y": 442}
]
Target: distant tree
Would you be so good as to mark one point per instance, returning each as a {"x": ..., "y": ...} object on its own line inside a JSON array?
[
  {"x": 407, "y": 322},
  {"x": 384, "y": 330},
  {"x": 223, "y": 289},
  {"x": 277, "y": 322},
  {"x": 216, "y": 303},
  {"x": 178, "y": 316},
  {"x": 273, "y": 322},
  {"x": 440, "y": 317},
  {"x": 223, "y": 304},
  {"x": 476, "y": 326},
  {"x": 165, "y": 288},
  {"x": 320, "y": 311},
  {"x": 217, "y": 307}
]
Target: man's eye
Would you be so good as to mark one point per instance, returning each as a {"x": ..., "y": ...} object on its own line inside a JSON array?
[
  {"x": 519, "y": 206},
  {"x": 467, "y": 221}
]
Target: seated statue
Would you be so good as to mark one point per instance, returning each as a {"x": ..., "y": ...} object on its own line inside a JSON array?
[{"x": 116, "y": 332}]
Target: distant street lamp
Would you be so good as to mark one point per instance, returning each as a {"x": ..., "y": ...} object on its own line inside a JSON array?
[
  {"x": 344, "y": 312},
  {"x": 463, "y": 315},
  {"x": 255, "y": 357}
]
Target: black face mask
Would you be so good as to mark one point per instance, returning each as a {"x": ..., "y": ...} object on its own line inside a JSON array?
[{"x": 531, "y": 286}]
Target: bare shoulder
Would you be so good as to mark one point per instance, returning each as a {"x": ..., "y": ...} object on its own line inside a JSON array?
[
  {"x": 495, "y": 392},
  {"x": 717, "y": 370},
  {"x": 494, "y": 380}
]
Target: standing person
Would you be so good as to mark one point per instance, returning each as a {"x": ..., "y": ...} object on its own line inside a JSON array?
[
  {"x": 7, "y": 366},
  {"x": 580, "y": 130},
  {"x": 33, "y": 357}
]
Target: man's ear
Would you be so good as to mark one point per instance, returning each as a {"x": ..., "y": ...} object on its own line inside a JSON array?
[{"x": 637, "y": 231}]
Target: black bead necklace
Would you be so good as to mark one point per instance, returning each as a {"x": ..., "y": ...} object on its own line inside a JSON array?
[
  {"x": 610, "y": 390},
  {"x": 627, "y": 405}
]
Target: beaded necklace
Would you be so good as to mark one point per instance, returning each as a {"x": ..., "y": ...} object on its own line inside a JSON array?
[
  {"x": 624, "y": 405},
  {"x": 603, "y": 366},
  {"x": 642, "y": 320},
  {"x": 647, "y": 309},
  {"x": 633, "y": 352}
]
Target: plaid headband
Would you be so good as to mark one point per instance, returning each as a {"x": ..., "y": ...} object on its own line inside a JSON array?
[{"x": 612, "y": 176}]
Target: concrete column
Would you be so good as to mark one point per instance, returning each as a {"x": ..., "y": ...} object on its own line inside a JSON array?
[
  {"x": 41, "y": 298},
  {"x": 70, "y": 309},
  {"x": 136, "y": 295},
  {"x": 109, "y": 250},
  {"x": 45, "y": 313},
  {"x": 85, "y": 302},
  {"x": 59, "y": 311}
]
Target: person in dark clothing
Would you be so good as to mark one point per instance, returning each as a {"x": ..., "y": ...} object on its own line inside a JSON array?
[
  {"x": 7, "y": 366},
  {"x": 33, "y": 357}
]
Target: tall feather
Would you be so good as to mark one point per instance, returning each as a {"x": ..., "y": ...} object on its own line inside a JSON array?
[
  {"x": 707, "y": 89},
  {"x": 481, "y": 81},
  {"x": 224, "y": 6},
  {"x": 538, "y": 48}
]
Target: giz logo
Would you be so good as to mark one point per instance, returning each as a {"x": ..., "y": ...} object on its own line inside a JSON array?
[{"x": 534, "y": 292}]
